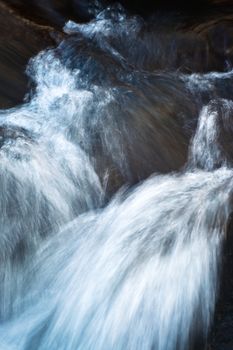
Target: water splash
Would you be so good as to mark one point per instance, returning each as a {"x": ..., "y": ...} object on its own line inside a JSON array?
[
  {"x": 139, "y": 272},
  {"x": 143, "y": 273}
]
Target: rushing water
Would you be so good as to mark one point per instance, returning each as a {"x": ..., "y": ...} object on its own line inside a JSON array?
[{"x": 81, "y": 268}]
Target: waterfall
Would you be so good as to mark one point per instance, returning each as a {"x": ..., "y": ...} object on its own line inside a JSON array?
[{"x": 113, "y": 214}]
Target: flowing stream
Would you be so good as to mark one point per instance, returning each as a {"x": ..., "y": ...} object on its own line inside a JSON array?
[{"x": 116, "y": 191}]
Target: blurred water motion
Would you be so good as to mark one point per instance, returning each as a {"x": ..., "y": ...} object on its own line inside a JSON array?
[{"x": 116, "y": 191}]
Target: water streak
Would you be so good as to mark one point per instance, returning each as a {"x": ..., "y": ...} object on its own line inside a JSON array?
[{"x": 81, "y": 271}]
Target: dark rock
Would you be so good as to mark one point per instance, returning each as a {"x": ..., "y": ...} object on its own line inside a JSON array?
[{"x": 20, "y": 39}]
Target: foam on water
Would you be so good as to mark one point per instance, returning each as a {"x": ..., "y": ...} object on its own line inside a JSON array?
[
  {"x": 142, "y": 273},
  {"x": 139, "y": 272}
]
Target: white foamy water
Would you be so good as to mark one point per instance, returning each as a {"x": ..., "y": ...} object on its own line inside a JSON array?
[
  {"x": 140, "y": 274},
  {"x": 78, "y": 273}
]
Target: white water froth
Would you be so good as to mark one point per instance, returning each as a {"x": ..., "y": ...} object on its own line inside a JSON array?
[{"x": 140, "y": 273}]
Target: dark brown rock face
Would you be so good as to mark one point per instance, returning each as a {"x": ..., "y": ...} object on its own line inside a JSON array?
[{"x": 20, "y": 39}]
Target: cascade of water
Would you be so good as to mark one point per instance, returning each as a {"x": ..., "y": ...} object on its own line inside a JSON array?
[{"x": 140, "y": 272}]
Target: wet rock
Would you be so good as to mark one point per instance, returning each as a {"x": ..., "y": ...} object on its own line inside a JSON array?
[{"x": 20, "y": 39}]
